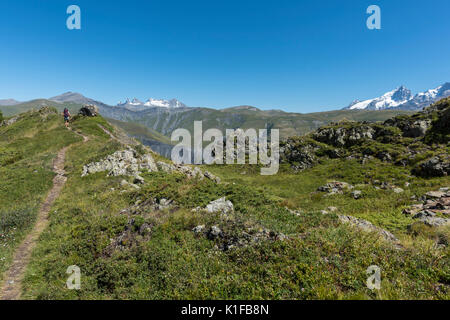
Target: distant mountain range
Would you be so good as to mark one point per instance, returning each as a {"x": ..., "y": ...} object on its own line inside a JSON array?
[
  {"x": 161, "y": 117},
  {"x": 8, "y": 102},
  {"x": 402, "y": 99},
  {"x": 137, "y": 105}
]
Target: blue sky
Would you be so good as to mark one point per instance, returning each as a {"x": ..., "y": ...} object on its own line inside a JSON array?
[{"x": 300, "y": 56}]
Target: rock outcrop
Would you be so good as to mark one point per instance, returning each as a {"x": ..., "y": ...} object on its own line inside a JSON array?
[
  {"x": 130, "y": 163},
  {"x": 191, "y": 172},
  {"x": 368, "y": 227},
  {"x": 335, "y": 187},
  {"x": 89, "y": 110},
  {"x": 402, "y": 140},
  {"x": 438, "y": 166},
  {"x": 434, "y": 203},
  {"x": 344, "y": 136},
  {"x": 220, "y": 205},
  {"x": 122, "y": 163}
]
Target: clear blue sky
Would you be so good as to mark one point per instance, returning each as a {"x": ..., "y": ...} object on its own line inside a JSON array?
[{"x": 300, "y": 56}]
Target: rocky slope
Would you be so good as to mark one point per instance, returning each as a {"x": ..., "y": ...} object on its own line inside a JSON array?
[{"x": 419, "y": 141}]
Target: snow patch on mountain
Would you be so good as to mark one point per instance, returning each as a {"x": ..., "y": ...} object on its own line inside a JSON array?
[
  {"x": 390, "y": 99},
  {"x": 137, "y": 105},
  {"x": 402, "y": 98}
]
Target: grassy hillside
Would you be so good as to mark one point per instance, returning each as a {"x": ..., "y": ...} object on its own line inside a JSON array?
[
  {"x": 27, "y": 149},
  {"x": 128, "y": 248}
]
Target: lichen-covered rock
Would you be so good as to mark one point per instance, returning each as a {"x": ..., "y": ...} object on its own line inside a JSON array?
[
  {"x": 190, "y": 172},
  {"x": 438, "y": 166},
  {"x": 122, "y": 163},
  {"x": 335, "y": 187},
  {"x": 220, "y": 205},
  {"x": 433, "y": 203},
  {"x": 298, "y": 153},
  {"x": 344, "y": 136},
  {"x": 435, "y": 221},
  {"x": 357, "y": 194},
  {"x": 89, "y": 110},
  {"x": 368, "y": 227}
]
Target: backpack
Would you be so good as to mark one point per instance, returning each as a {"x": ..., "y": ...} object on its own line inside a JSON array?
[{"x": 66, "y": 112}]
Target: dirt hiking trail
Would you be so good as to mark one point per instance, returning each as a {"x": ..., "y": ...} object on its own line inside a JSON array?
[{"x": 11, "y": 287}]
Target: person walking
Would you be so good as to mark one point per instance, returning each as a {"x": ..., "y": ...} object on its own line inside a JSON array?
[{"x": 66, "y": 115}]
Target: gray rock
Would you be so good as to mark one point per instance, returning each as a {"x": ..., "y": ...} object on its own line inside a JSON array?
[
  {"x": 343, "y": 136},
  {"x": 210, "y": 176},
  {"x": 356, "y": 194},
  {"x": 335, "y": 187},
  {"x": 199, "y": 229},
  {"x": 424, "y": 213},
  {"x": 416, "y": 129},
  {"x": 125, "y": 184},
  {"x": 214, "y": 232},
  {"x": 435, "y": 167},
  {"x": 122, "y": 163},
  {"x": 220, "y": 205},
  {"x": 89, "y": 110},
  {"x": 435, "y": 194},
  {"x": 368, "y": 227},
  {"x": 435, "y": 221}
]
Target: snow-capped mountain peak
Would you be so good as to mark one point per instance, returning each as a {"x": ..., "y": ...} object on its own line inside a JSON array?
[
  {"x": 390, "y": 99},
  {"x": 402, "y": 98},
  {"x": 137, "y": 105}
]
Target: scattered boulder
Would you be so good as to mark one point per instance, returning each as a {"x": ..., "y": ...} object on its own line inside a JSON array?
[
  {"x": 438, "y": 166},
  {"x": 89, "y": 110},
  {"x": 190, "y": 172},
  {"x": 199, "y": 229},
  {"x": 214, "y": 232},
  {"x": 435, "y": 221},
  {"x": 433, "y": 203},
  {"x": 356, "y": 194},
  {"x": 345, "y": 135},
  {"x": 226, "y": 240},
  {"x": 122, "y": 163},
  {"x": 125, "y": 184},
  {"x": 297, "y": 152},
  {"x": 335, "y": 187},
  {"x": 424, "y": 213},
  {"x": 435, "y": 194},
  {"x": 416, "y": 129},
  {"x": 212, "y": 177},
  {"x": 368, "y": 227},
  {"x": 220, "y": 205},
  {"x": 8, "y": 122}
]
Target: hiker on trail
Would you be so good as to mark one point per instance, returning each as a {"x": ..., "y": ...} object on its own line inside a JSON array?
[{"x": 66, "y": 115}]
